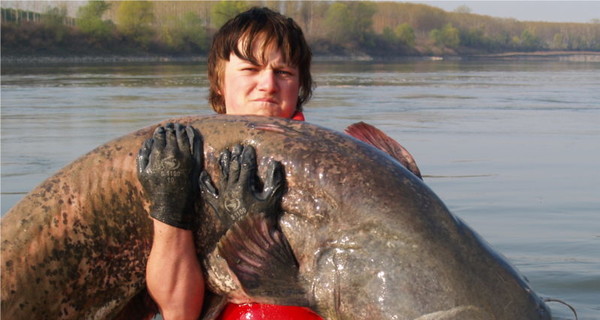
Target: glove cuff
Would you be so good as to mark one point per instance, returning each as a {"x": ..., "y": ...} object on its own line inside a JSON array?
[{"x": 179, "y": 220}]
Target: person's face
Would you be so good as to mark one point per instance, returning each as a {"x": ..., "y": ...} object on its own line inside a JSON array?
[{"x": 268, "y": 89}]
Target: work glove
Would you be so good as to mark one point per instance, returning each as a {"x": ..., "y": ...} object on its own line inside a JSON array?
[
  {"x": 238, "y": 193},
  {"x": 168, "y": 168}
]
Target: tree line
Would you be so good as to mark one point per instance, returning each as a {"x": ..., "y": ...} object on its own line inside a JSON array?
[{"x": 331, "y": 27}]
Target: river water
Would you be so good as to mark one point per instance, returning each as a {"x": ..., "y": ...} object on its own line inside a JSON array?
[{"x": 513, "y": 148}]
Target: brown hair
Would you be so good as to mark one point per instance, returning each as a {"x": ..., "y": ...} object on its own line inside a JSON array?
[{"x": 258, "y": 25}]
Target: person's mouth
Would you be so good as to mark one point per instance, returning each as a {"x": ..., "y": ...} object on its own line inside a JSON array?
[{"x": 266, "y": 100}]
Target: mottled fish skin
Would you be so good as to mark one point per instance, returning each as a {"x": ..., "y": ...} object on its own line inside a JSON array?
[
  {"x": 371, "y": 239},
  {"x": 76, "y": 246}
]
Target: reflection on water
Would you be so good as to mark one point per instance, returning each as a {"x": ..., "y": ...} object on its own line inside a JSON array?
[{"x": 512, "y": 148}]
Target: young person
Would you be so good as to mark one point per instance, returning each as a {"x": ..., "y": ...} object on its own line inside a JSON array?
[{"x": 259, "y": 64}]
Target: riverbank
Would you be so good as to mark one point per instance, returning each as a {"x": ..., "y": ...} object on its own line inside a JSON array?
[
  {"x": 12, "y": 60},
  {"x": 575, "y": 56},
  {"x": 17, "y": 60}
]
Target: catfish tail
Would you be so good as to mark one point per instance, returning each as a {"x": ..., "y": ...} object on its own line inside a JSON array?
[{"x": 375, "y": 137}]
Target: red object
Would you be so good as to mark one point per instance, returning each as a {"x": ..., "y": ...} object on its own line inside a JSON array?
[
  {"x": 258, "y": 311},
  {"x": 298, "y": 116}
]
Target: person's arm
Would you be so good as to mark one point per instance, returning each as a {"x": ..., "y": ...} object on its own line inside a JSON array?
[
  {"x": 168, "y": 165},
  {"x": 173, "y": 274}
]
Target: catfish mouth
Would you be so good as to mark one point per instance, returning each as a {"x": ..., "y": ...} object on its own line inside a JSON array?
[
  {"x": 544, "y": 308},
  {"x": 460, "y": 312}
]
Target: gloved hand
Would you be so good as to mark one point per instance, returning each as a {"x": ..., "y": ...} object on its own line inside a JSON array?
[
  {"x": 238, "y": 194},
  {"x": 168, "y": 168},
  {"x": 254, "y": 247}
]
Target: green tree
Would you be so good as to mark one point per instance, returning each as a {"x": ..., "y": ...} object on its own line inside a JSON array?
[
  {"x": 529, "y": 41},
  {"x": 451, "y": 36},
  {"x": 475, "y": 38},
  {"x": 448, "y": 36},
  {"x": 53, "y": 19},
  {"x": 135, "y": 19},
  {"x": 338, "y": 22},
  {"x": 350, "y": 22},
  {"x": 184, "y": 33},
  {"x": 225, "y": 10},
  {"x": 363, "y": 18},
  {"x": 389, "y": 35},
  {"x": 406, "y": 34},
  {"x": 89, "y": 20},
  {"x": 558, "y": 41}
]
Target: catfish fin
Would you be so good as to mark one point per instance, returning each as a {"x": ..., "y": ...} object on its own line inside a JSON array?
[
  {"x": 260, "y": 256},
  {"x": 375, "y": 137}
]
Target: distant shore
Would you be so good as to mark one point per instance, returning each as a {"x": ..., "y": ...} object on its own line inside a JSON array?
[
  {"x": 12, "y": 60},
  {"x": 16, "y": 60},
  {"x": 578, "y": 56}
]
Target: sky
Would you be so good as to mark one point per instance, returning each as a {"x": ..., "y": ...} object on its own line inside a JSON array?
[
  {"x": 525, "y": 10},
  {"x": 528, "y": 10}
]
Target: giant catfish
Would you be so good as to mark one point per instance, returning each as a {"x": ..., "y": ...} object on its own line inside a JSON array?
[{"x": 371, "y": 240}]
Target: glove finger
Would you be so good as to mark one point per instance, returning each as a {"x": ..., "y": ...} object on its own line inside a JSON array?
[
  {"x": 248, "y": 166},
  {"x": 195, "y": 142},
  {"x": 207, "y": 188},
  {"x": 224, "y": 160},
  {"x": 159, "y": 139},
  {"x": 183, "y": 141},
  {"x": 234, "y": 164},
  {"x": 170, "y": 137},
  {"x": 274, "y": 182},
  {"x": 144, "y": 155}
]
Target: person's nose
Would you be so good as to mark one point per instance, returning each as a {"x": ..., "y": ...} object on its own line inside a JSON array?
[{"x": 267, "y": 81}]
